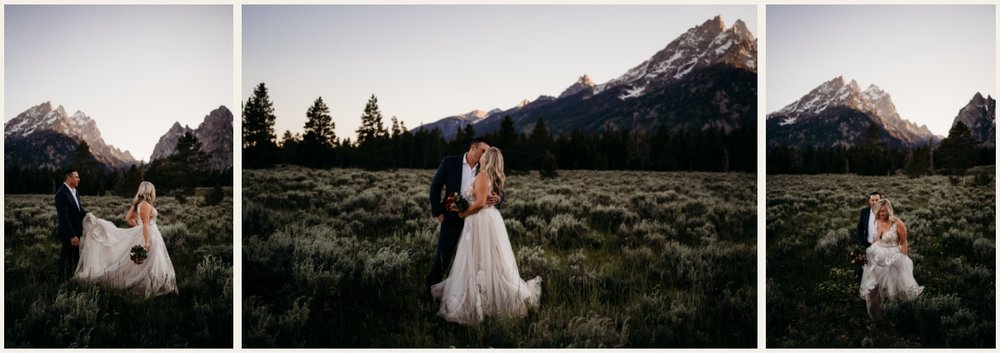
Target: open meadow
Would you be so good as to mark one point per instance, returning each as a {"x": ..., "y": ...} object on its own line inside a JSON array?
[
  {"x": 812, "y": 289},
  {"x": 337, "y": 258},
  {"x": 41, "y": 312}
]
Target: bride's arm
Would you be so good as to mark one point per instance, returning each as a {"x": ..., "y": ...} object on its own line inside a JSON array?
[
  {"x": 481, "y": 187},
  {"x": 144, "y": 212},
  {"x": 901, "y": 231}
]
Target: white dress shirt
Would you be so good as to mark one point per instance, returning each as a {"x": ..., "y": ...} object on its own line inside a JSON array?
[
  {"x": 468, "y": 173},
  {"x": 76, "y": 198},
  {"x": 871, "y": 227}
]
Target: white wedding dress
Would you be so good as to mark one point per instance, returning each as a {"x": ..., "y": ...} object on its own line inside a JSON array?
[
  {"x": 484, "y": 279},
  {"x": 888, "y": 273},
  {"x": 104, "y": 258}
]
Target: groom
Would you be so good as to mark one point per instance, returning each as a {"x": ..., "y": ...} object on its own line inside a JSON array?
[
  {"x": 70, "y": 211},
  {"x": 866, "y": 226},
  {"x": 455, "y": 174}
]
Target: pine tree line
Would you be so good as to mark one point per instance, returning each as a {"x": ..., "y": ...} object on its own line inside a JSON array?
[
  {"x": 953, "y": 156},
  {"x": 378, "y": 147},
  {"x": 178, "y": 173}
]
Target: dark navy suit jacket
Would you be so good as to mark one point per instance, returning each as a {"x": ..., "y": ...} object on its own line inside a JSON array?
[
  {"x": 70, "y": 217},
  {"x": 449, "y": 178},
  {"x": 863, "y": 227}
]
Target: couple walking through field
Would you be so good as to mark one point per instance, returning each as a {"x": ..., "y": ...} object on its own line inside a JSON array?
[
  {"x": 484, "y": 279},
  {"x": 886, "y": 271}
]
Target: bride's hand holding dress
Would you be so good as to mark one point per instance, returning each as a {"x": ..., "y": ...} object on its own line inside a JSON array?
[{"x": 105, "y": 255}]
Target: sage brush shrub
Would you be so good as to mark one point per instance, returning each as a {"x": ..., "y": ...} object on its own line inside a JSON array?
[
  {"x": 337, "y": 258},
  {"x": 40, "y": 312}
]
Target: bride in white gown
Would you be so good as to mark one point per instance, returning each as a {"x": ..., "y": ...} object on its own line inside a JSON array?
[
  {"x": 105, "y": 251},
  {"x": 888, "y": 272},
  {"x": 484, "y": 279}
]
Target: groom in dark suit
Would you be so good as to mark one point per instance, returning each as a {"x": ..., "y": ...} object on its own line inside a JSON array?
[
  {"x": 70, "y": 211},
  {"x": 866, "y": 223},
  {"x": 453, "y": 175},
  {"x": 866, "y": 226}
]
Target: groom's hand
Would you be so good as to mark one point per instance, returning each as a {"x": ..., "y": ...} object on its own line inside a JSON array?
[
  {"x": 440, "y": 218},
  {"x": 74, "y": 241},
  {"x": 492, "y": 199}
]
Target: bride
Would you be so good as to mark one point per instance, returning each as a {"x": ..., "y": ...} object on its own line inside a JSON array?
[
  {"x": 888, "y": 272},
  {"x": 105, "y": 251},
  {"x": 484, "y": 279}
]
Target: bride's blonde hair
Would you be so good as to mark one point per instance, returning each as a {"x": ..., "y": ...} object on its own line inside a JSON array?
[
  {"x": 492, "y": 164},
  {"x": 888, "y": 207},
  {"x": 147, "y": 192}
]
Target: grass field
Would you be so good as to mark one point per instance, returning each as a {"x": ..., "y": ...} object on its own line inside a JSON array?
[
  {"x": 812, "y": 289},
  {"x": 40, "y": 312},
  {"x": 337, "y": 258}
]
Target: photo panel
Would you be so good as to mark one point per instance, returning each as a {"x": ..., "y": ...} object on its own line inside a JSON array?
[
  {"x": 881, "y": 169},
  {"x": 118, "y": 176},
  {"x": 499, "y": 176}
]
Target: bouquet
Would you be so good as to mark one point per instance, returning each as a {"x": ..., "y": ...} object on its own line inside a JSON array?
[
  {"x": 859, "y": 258},
  {"x": 456, "y": 203},
  {"x": 138, "y": 254}
]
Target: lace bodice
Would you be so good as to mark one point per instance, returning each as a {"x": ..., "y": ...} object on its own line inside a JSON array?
[
  {"x": 470, "y": 193},
  {"x": 889, "y": 238}
]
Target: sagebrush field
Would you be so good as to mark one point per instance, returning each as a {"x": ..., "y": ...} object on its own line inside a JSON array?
[
  {"x": 40, "y": 312},
  {"x": 337, "y": 258},
  {"x": 812, "y": 289}
]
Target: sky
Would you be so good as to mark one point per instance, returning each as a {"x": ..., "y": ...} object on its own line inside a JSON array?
[
  {"x": 134, "y": 69},
  {"x": 425, "y": 63},
  {"x": 930, "y": 59}
]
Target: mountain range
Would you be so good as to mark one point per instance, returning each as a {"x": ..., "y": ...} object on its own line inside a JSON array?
[
  {"x": 46, "y": 137},
  {"x": 705, "y": 78},
  {"x": 980, "y": 116},
  {"x": 838, "y": 113},
  {"x": 215, "y": 134}
]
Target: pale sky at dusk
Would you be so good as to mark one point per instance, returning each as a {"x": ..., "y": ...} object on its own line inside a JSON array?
[
  {"x": 428, "y": 62},
  {"x": 930, "y": 59},
  {"x": 134, "y": 69}
]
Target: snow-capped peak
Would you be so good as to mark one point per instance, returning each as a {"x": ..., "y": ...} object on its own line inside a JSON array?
[
  {"x": 707, "y": 44},
  {"x": 473, "y": 116},
  {"x": 581, "y": 84},
  {"x": 873, "y": 101},
  {"x": 80, "y": 120},
  {"x": 79, "y": 127}
]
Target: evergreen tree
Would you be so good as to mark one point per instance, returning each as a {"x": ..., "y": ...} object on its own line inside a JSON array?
[
  {"x": 258, "y": 129},
  {"x": 638, "y": 149},
  {"x": 548, "y": 165},
  {"x": 957, "y": 152},
  {"x": 88, "y": 167},
  {"x": 191, "y": 159},
  {"x": 373, "y": 147},
  {"x": 183, "y": 170},
  {"x": 507, "y": 140},
  {"x": 371, "y": 123},
  {"x": 396, "y": 130},
  {"x": 319, "y": 127},
  {"x": 290, "y": 148},
  {"x": 540, "y": 143},
  {"x": 318, "y": 140}
]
